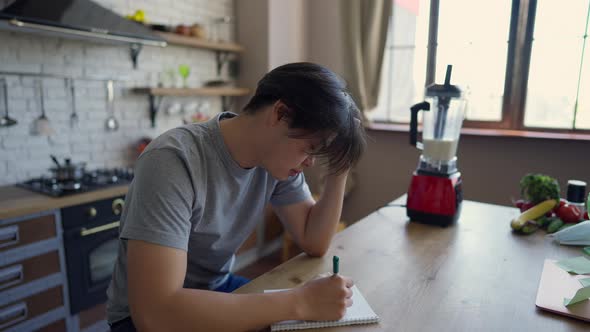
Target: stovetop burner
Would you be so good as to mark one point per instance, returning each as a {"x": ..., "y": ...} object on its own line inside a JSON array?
[{"x": 93, "y": 180}]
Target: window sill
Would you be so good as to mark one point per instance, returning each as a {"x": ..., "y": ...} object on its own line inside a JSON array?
[{"x": 391, "y": 127}]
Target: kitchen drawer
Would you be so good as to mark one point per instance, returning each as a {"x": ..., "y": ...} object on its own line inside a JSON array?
[
  {"x": 19, "y": 273},
  {"x": 30, "y": 307},
  {"x": 93, "y": 315},
  {"x": 59, "y": 326},
  {"x": 27, "y": 232}
]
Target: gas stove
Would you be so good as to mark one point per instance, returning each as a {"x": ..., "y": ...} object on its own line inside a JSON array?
[{"x": 91, "y": 180}]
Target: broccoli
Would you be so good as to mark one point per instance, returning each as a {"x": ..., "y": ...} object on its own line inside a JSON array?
[{"x": 536, "y": 188}]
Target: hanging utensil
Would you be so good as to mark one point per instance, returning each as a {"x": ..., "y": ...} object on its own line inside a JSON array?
[
  {"x": 42, "y": 126},
  {"x": 54, "y": 158},
  {"x": 74, "y": 119},
  {"x": 6, "y": 120},
  {"x": 111, "y": 123}
]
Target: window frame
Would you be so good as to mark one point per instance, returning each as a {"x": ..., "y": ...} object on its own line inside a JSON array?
[{"x": 520, "y": 44}]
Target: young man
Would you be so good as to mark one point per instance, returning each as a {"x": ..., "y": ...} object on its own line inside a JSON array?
[{"x": 199, "y": 191}]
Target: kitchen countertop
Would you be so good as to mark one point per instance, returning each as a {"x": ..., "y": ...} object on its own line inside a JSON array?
[{"x": 16, "y": 202}]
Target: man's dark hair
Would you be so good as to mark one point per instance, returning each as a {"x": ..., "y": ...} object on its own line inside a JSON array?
[{"x": 319, "y": 106}]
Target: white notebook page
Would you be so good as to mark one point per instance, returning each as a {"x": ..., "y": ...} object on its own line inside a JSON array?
[{"x": 359, "y": 313}]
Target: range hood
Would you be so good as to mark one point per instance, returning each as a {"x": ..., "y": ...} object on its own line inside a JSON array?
[{"x": 79, "y": 19}]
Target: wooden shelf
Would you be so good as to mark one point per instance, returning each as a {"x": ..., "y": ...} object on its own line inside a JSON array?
[
  {"x": 187, "y": 92},
  {"x": 223, "y": 54},
  {"x": 156, "y": 95},
  {"x": 176, "y": 39}
]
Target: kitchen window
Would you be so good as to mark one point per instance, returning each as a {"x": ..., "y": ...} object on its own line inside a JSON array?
[{"x": 523, "y": 64}]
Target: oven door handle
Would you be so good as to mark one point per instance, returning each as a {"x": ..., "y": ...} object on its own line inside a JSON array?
[{"x": 102, "y": 228}]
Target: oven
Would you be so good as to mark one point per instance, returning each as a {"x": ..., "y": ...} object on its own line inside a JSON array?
[{"x": 90, "y": 236}]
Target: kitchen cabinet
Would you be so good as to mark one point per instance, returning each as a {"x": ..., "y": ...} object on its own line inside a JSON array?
[
  {"x": 32, "y": 272},
  {"x": 34, "y": 259},
  {"x": 35, "y": 292}
]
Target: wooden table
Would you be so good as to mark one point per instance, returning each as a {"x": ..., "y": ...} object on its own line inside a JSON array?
[{"x": 474, "y": 276}]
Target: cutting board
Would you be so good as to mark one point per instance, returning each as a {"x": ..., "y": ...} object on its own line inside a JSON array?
[{"x": 554, "y": 286}]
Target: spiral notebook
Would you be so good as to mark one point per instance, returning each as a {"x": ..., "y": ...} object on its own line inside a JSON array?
[{"x": 359, "y": 313}]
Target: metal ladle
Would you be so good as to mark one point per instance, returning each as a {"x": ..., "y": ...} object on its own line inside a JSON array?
[
  {"x": 42, "y": 126},
  {"x": 111, "y": 123},
  {"x": 6, "y": 121}
]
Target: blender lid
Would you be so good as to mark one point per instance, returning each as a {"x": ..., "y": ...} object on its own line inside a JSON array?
[
  {"x": 444, "y": 90},
  {"x": 441, "y": 90}
]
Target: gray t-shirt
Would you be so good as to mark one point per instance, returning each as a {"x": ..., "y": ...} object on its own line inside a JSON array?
[{"x": 189, "y": 193}]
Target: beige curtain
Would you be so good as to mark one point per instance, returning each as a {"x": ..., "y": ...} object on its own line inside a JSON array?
[{"x": 364, "y": 23}]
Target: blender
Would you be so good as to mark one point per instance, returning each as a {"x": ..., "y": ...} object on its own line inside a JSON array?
[{"x": 435, "y": 193}]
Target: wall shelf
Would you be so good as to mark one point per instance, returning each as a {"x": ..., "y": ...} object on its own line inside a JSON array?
[
  {"x": 223, "y": 50},
  {"x": 176, "y": 39},
  {"x": 187, "y": 92},
  {"x": 156, "y": 95}
]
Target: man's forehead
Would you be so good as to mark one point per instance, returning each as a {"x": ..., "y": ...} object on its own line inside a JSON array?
[{"x": 320, "y": 138}]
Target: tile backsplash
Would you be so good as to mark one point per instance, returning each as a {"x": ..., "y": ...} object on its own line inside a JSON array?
[{"x": 23, "y": 155}]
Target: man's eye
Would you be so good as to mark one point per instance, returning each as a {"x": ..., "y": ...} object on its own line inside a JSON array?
[{"x": 312, "y": 149}]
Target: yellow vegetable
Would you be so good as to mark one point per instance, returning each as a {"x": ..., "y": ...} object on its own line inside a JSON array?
[
  {"x": 533, "y": 213},
  {"x": 139, "y": 15}
]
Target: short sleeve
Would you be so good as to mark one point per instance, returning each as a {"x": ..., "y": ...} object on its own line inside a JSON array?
[
  {"x": 291, "y": 191},
  {"x": 159, "y": 204}
]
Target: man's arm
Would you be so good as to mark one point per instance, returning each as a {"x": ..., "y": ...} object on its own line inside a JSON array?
[
  {"x": 158, "y": 301},
  {"x": 312, "y": 224}
]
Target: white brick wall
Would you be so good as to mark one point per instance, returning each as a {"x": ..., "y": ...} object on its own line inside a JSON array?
[{"x": 23, "y": 156}]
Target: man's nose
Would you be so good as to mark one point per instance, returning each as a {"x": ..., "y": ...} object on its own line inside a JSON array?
[{"x": 309, "y": 161}]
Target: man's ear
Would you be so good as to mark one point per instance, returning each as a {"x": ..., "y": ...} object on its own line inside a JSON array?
[{"x": 279, "y": 113}]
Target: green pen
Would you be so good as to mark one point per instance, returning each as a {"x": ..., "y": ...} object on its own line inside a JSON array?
[{"x": 335, "y": 264}]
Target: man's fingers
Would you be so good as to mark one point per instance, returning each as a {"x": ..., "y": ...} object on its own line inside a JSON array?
[
  {"x": 348, "y": 303},
  {"x": 323, "y": 275},
  {"x": 349, "y": 282},
  {"x": 348, "y": 293}
]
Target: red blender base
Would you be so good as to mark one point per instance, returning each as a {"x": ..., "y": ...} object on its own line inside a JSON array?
[{"x": 435, "y": 198}]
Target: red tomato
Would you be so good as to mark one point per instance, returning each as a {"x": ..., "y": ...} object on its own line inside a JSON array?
[
  {"x": 561, "y": 203},
  {"x": 569, "y": 213},
  {"x": 518, "y": 203}
]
